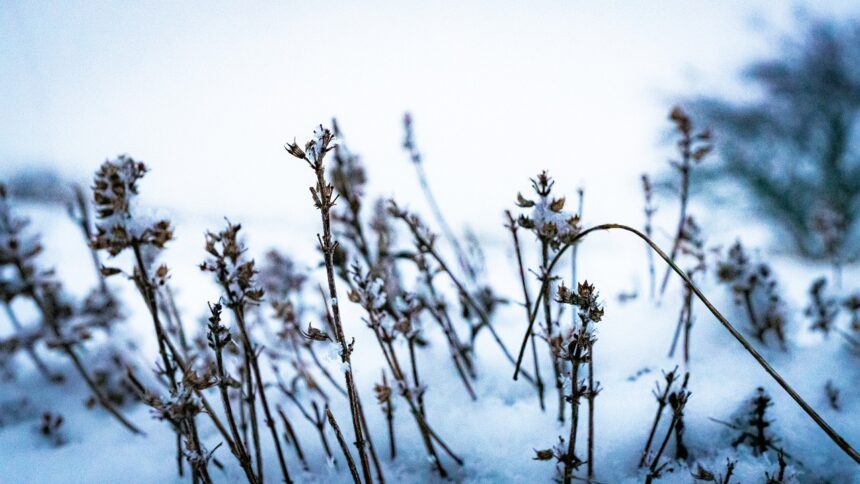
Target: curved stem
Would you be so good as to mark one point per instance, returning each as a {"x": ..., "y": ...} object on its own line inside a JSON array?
[{"x": 834, "y": 436}]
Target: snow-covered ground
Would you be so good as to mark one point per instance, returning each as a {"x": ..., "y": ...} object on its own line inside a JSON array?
[{"x": 497, "y": 434}]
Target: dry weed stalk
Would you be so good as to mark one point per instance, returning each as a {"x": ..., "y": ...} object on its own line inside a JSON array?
[
  {"x": 650, "y": 209},
  {"x": 237, "y": 278},
  {"x": 314, "y": 153},
  {"x": 693, "y": 247},
  {"x": 692, "y": 147},
  {"x": 345, "y": 448},
  {"x": 677, "y": 402},
  {"x": 219, "y": 337},
  {"x": 383, "y": 397},
  {"x": 576, "y": 346}
]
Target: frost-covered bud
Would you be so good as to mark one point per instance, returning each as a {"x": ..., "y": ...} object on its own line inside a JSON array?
[
  {"x": 315, "y": 149},
  {"x": 114, "y": 195}
]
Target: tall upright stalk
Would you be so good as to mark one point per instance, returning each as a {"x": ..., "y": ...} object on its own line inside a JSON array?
[{"x": 322, "y": 194}]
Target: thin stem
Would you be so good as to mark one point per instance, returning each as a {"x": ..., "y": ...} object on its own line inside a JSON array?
[
  {"x": 252, "y": 357},
  {"x": 592, "y": 394},
  {"x": 322, "y": 195},
  {"x": 317, "y": 420},
  {"x": 291, "y": 436},
  {"x": 389, "y": 417},
  {"x": 242, "y": 456},
  {"x": 684, "y": 169},
  {"x": 573, "y": 276},
  {"x": 512, "y": 227},
  {"x": 653, "y": 470},
  {"x": 351, "y": 463},
  {"x": 547, "y": 312},
  {"x": 571, "y": 460},
  {"x": 376, "y": 465},
  {"x": 30, "y": 348},
  {"x": 415, "y": 380},
  {"x": 85, "y": 224}
]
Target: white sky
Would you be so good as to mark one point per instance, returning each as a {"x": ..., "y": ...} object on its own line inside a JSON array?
[{"x": 207, "y": 93}]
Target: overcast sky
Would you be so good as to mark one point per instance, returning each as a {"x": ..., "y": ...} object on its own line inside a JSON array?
[{"x": 208, "y": 93}]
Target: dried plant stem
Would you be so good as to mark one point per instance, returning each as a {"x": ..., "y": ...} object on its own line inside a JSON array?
[
  {"x": 29, "y": 347},
  {"x": 527, "y": 303},
  {"x": 316, "y": 420},
  {"x": 570, "y": 460},
  {"x": 242, "y": 454},
  {"x": 252, "y": 358},
  {"x": 397, "y": 373},
  {"x": 180, "y": 463},
  {"x": 748, "y": 305},
  {"x": 343, "y": 447},
  {"x": 149, "y": 297},
  {"x": 371, "y": 449},
  {"x": 69, "y": 350},
  {"x": 650, "y": 209},
  {"x": 389, "y": 418},
  {"x": 684, "y": 169},
  {"x": 323, "y": 195},
  {"x": 573, "y": 252},
  {"x": 100, "y": 396},
  {"x": 249, "y": 395},
  {"x": 290, "y": 436},
  {"x": 416, "y": 381},
  {"x": 439, "y": 311},
  {"x": 149, "y": 294},
  {"x": 207, "y": 407},
  {"x": 592, "y": 394},
  {"x": 84, "y": 222},
  {"x": 832, "y": 434},
  {"x": 557, "y": 365},
  {"x": 653, "y": 470},
  {"x": 177, "y": 318},
  {"x": 685, "y": 323},
  {"x": 662, "y": 399}
]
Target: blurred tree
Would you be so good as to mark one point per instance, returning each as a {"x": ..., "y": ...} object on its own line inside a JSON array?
[{"x": 794, "y": 148}]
